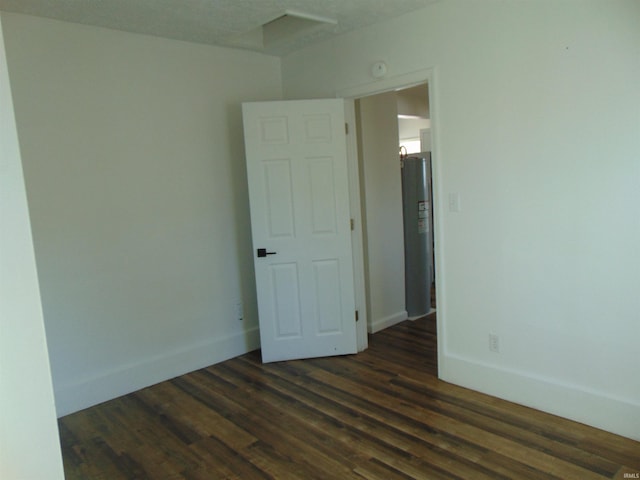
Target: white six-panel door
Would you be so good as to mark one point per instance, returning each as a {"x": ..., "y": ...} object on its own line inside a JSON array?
[{"x": 299, "y": 198}]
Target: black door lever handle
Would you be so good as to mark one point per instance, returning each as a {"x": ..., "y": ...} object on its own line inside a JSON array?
[{"x": 262, "y": 252}]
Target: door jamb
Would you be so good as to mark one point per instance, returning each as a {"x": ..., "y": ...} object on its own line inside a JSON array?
[{"x": 357, "y": 233}]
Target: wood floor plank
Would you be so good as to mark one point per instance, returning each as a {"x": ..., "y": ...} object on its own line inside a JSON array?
[
  {"x": 267, "y": 416},
  {"x": 186, "y": 411},
  {"x": 386, "y": 442},
  {"x": 505, "y": 446},
  {"x": 408, "y": 434},
  {"x": 468, "y": 412},
  {"x": 429, "y": 439},
  {"x": 380, "y": 415}
]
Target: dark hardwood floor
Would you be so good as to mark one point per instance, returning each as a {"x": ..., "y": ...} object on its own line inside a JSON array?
[{"x": 382, "y": 414}]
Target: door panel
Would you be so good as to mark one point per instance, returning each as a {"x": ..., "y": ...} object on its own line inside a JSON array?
[
  {"x": 327, "y": 283},
  {"x": 278, "y": 198},
  {"x": 285, "y": 296},
  {"x": 323, "y": 199},
  {"x": 299, "y": 198}
]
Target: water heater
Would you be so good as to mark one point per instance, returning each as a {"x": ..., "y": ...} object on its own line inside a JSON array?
[{"x": 418, "y": 232}]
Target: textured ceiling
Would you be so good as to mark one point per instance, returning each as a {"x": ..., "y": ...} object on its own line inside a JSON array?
[{"x": 232, "y": 23}]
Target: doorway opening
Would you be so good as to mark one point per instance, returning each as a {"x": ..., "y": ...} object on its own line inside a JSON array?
[{"x": 397, "y": 120}]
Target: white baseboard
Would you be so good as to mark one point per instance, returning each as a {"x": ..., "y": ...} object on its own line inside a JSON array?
[
  {"x": 129, "y": 378},
  {"x": 386, "y": 322},
  {"x": 413, "y": 319},
  {"x": 597, "y": 409}
]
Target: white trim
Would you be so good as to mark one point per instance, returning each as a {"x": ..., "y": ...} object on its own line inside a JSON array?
[
  {"x": 387, "y": 84},
  {"x": 594, "y": 408},
  {"x": 357, "y": 233},
  {"x": 129, "y": 378},
  {"x": 413, "y": 319},
  {"x": 386, "y": 322},
  {"x": 437, "y": 160}
]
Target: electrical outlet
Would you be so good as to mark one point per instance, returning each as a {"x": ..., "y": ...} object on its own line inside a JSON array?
[
  {"x": 239, "y": 310},
  {"x": 494, "y": 343}
]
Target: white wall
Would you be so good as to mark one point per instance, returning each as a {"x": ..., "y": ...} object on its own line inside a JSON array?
[
  {"x": 134, "y": 165},
  {"x": 536, "y": 118},
  {"x": 380, "y": 168},
  {"x": 414, "y": 101},
  {"x": 409, "y": 128},
  {"x": 29, "y": 446}
]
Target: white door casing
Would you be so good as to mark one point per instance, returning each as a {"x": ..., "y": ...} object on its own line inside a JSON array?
[{"x": 299, "y": 198}]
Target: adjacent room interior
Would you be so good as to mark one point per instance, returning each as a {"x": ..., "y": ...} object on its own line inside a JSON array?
[{"x": 391, "y": 125}]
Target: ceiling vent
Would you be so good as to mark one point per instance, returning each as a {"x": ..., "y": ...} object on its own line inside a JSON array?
[{"x": 287, "y": 27}]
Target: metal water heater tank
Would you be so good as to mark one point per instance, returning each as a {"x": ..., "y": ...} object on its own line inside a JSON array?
[{"x": 418, "y": 232}]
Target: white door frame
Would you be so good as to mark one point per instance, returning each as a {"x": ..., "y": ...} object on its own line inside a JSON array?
[
  {"x": 357, "y": 239},
  {"x": 428, "y": 76}
]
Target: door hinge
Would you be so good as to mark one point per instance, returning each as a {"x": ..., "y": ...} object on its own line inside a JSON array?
[
  {"x": 346, "y": 128},
  {"x": 352, "y": 222},
  {"x": 357, "y": 316}
]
